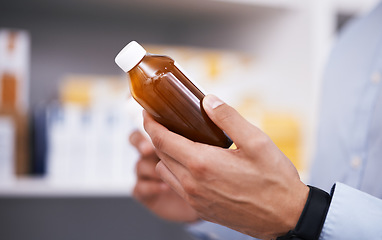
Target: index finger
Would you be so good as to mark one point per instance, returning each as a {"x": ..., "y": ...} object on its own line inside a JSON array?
[
  {"x": 176, "y": 146},
  {"x": 141, "y": 143}
]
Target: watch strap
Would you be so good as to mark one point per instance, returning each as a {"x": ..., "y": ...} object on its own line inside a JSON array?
[{"x": 312, "y": 218}]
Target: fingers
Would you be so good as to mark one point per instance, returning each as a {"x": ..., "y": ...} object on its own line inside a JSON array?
[
  {"x": 172, "y": 144},
  {"x": 183, "y": 158},
  {"x": 145, "y": 190},
  {"x": 142, "y": 144},
  {"x": 146, "y": 170},
  {"x": 176, "y": 168},
  {"x": 229, "y": 120},
  {"x": 149, "y": 184},
  {"x": 170, "y": 178}
]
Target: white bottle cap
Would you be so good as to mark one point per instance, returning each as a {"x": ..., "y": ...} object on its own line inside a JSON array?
[{"x": 130, "y": 56}]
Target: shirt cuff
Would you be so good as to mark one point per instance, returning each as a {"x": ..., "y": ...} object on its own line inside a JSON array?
[
  {"x": 352, "y": 215},
  {"x": 204, "y": 230}
]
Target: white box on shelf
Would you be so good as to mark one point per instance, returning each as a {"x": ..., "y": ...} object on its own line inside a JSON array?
[{"x": 7, "y": 149}]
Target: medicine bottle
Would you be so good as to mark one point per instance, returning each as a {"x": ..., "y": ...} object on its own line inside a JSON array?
[{"x": 160, "y": 87}]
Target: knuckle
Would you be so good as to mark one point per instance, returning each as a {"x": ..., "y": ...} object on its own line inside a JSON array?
[
  {"x": 192, "y": 202},
  {"x": 224, "y": 116},
  {"x": 141, "y": 168},
  {"x": 198, "y": 168},
  {"x": 190, "y": 188},
  {"x": 264, "y": 141},
  {"x": 158, "y": 141},
  {"x": 146, "y": 149},
  {"x": 145, "y": 169},
  {"x": 259, "y": 143}
]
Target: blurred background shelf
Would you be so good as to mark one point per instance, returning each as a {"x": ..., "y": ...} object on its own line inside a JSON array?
[
  {"x": 286, "y": 40},
  {"x": 42, "y": 187},
  {"x": 172, "y": 7},
  {"x": 67, "y": 34}
]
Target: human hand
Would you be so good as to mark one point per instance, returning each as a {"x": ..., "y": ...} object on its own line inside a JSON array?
[
  {"x": 151, "y": 191},
  {"x": 254, "y": 189}
]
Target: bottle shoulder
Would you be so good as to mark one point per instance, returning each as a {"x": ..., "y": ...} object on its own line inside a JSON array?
[
  {"x": 152, "y": 65},
  {"x": 157, "y": 60}
]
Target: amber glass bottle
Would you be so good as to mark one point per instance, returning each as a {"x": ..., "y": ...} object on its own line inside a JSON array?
[
  {"x": 158, "y": 85},
  {"x": 8, "y": 80}
]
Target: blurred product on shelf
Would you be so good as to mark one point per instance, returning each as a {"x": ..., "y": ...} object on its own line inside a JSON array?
[
  {"x": 284, "y": 130},
  {"x": 87, "y": 132},
  {"x": 14, "y": 69},
  {"x": 38, "y": 141},
  {"x": 14, "y": 89},
  {"x": 223, "y": 73},
  {"x": 7, "y": 149},
  {"x": 18, "y": 125},
  {"x": 283, "y": 127}
]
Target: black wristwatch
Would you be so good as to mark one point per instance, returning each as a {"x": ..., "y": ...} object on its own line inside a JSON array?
[{"x": 312, "y": 218}]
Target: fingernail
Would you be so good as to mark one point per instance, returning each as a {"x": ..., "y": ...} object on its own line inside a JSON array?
[{"x": 212, "y": 101}]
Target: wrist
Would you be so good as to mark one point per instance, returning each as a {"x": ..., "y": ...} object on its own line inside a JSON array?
[
  {"x": 295, "y": 207},
  {"x": 312, "y": 218}
]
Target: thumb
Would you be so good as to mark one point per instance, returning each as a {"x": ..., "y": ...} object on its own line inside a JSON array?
[{"x": 229, "y": 120}]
